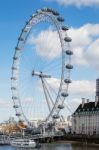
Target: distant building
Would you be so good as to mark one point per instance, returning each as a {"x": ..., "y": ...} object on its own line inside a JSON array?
[
  {"x": 9, "y": 126},
  {"x": 85, "y": 120},
  {"x": 36, "y": 122}
]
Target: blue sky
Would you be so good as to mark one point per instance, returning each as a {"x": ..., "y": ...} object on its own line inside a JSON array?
[{"x": 14, "y": 14}]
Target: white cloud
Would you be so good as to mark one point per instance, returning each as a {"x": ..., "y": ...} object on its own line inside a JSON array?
[
  {"x": 82, "y": 87},
  {"x": 27, "y": 100},
  {"x": 77, "y": 90},
  {"x": 79, "y": 87},
  {"x": 72, "y": 104},
  {"x": 4, "y": 104},
  {"x": 85, "y": 45},
  {"x": 77, "y": 3},
  {"x": 92, "y": 54},
  {"x": 47, "y": 44}
]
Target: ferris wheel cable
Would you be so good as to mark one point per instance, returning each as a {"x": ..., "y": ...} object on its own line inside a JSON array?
[
  {"x": 53, "y": 43},
  {"x": 40, "y": 106},
  {"x": 54, "y": 69},
  {"x": 21, "y": 110},
  {"x": 31, "y": 110},
  {"x": 29, "y": 61},
  {"x": 50, "y": 67},
  {"x": 50, "y": 99},
  {"x": 25, "y": 74},
  {"x": 36, "y": 113},
  {"x": 45, "y": 94},
  {"x": 24, "y": 88},
  {"x": 22, "y": 44},
  {"x": 27, "y": 78},
  {"x": 52, "y": 102},
  {"x": 49, "y": 94},
  {"x": 53, "y": 90},
  {"x": 38, "y": 20},
  {"x": 51, "y": 87},
  {"x": 44, "y": 108},
  {"x": 46, "y": 66},
  {"x": 58, "y": 60},
  {"x": 60, "y": 98},
  {"x": 68, "y": 107},
  {"x": 26, "y": 62},
  {"x": 51, "y": 60}
]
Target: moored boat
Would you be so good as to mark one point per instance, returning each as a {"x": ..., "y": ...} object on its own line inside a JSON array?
[{"x": 24, "y": 143}]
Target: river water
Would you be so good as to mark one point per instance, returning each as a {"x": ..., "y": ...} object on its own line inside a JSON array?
[{"x": 58, "y": 146}]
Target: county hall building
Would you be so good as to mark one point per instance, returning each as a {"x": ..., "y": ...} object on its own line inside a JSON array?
[{"x": 85, "y": 120}]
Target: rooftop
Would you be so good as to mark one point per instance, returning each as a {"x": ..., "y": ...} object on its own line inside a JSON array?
[{"x": 90, "y": 106}]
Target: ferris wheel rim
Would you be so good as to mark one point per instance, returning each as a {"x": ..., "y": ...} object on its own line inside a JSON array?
[{"x": 60, "y": 87}]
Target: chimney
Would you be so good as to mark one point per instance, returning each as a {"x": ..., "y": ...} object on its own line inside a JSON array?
[
  {"x": 87, "y": 100},
  {"x": 96, "y": 100},
  {"x": 83, "y": 102},
  {"x": 97, "y": 92}
]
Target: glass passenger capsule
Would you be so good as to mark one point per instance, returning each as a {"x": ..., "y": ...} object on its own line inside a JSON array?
[
  {"x": 18, "y": 114},
  {"x": 21, "y": 39},
  {"x": 67, "y": 39},
  {"x": 69, "y": 52},
  {"x": 13, "y": 88},
  {"x": 67, "y": 81},
  {"x": 65, "y": 28},
  {"x": 13, "y": 78},
  {"x": 64, "y": 94},
  {"x": 69, "y": 66},
  {"x": 60, "y": 19},
  {"x": 60, "y": 106},
  {"x": 55, "y": 116},
  {"x": 15, "y": 58},
  {"x": 17, "y": 48},
  {"x": 14, "y": 97},
  {"x": 15, "y": 106},
  {"x": 14, "y": 68}
]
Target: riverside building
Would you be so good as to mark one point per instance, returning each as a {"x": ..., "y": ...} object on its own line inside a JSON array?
[{"x": 85, "y": 120}]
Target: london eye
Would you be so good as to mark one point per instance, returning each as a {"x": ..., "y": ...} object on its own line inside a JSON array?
[{"x": 41, "y": 68}]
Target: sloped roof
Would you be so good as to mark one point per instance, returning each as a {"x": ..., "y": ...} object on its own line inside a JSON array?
[{"x": 87, "y": 107}]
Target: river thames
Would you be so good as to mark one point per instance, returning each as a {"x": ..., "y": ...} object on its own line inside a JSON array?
[{"x": 58, "y": 146}]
